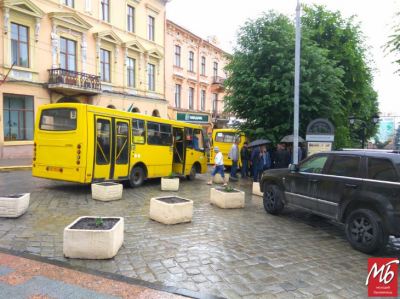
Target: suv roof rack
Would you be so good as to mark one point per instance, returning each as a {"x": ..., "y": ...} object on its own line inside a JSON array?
[{"x": 370, "y": 150}]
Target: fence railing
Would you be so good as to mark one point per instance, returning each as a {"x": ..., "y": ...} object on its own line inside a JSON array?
[
  {"x": 82, "y": 80},
  {"x": 218, "y": 80}
]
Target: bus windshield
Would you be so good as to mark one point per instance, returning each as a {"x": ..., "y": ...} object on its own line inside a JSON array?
[{"x": 62, "y": 119}]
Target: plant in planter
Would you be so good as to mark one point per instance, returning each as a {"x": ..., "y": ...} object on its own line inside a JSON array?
[
  {"x": 256, "y": 189},
  {"x": 93, "y": 238},
  {"x": 107, "y": 191},
  {"x": 171, "y": 209},
  {"x": 170, "y": 183},
  {"x": 14, "y": 205},
  {"x": 227, "y": 198}
]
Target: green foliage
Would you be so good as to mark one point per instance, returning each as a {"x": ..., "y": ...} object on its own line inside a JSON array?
[
  {"x": 393, "y": 45},
  {"x": 229, "y": 189},
  {"x": 99, "y": 221},
  {"x": 380, "y": 144},
  {"x": 335, "y": 79},
  {"x": 396, "y": 140},
  {"x": 171, "y": 175}
]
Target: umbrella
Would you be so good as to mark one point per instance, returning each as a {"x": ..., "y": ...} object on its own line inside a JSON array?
[
  {"x": 290, "y": 138},
  {"x": 258, "y": 142}
]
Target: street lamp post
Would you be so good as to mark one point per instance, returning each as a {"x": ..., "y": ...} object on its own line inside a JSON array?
[{"x": 352, "y": 119}]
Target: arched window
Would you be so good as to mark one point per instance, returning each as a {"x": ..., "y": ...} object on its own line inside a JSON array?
[
  {"x": 155, "y": 113},
  {"x": 68, "y": 100},
  {"x": 135, "y": 110},
  {"x": 111, "y": 106}
]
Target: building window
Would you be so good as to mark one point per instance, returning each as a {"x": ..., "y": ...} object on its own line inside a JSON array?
[
  {"x": 151, "y": 28},
  {"x": 177, "y": 56},
  {"x": 191, "y": 61},
  {"x": 131, "y": 12},
  {"x": 151, "y": 77},
  {"x": 18, "y": 117},
  {"x": 203, "y": 100},
  {"x": 131, "y": 72},
  {"x": 177, "y": 96},
  {"x": 69, "y": 3},
  {"x": 68, "y": 54},
  {"x": 191, "y": 93},
  {"x": 105, "y": 10},
  {"x": 215, "y": 69},
  {"x": 203, "y": 66},
  {"x": 104, "y": 65},
  {"x": 215, "y": 99},
  {"x": 19, "y": 45}
]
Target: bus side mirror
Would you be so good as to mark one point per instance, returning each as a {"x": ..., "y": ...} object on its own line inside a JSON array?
[{"x": 293, "y": 167}]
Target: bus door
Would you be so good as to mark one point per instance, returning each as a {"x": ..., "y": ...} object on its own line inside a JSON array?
[
  {"x": 178, "y": 164},
  {"x": 103, "y": 148},
  {"x": 122, "y": 148},
  {"x": 190, "y": 157}
]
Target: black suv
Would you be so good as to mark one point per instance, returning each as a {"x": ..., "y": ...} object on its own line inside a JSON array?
[{"x": 360, "y": 188}]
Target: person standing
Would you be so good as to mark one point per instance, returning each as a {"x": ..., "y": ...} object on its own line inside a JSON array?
[
  {"x": 257, "y": 161},
  {"x": 245, "y": 156},
  {"x": 276, "y": 153},
  {"x": 282, "y": 157},
  {"x": 266, "y": 159},
  {"x": 234, "y": 156},
  {"x": 218, "y": 167}
]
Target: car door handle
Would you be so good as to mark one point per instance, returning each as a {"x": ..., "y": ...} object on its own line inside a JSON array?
[
  {"x": 351, "y": 186},
  {"x": 313, "y": 181}
]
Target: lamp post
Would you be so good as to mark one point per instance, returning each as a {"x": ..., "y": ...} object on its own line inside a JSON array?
[{"x": 352, "y": 119}]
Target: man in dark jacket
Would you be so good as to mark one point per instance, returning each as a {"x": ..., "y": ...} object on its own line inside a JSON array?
[
  {"x": 283, "y": 158},
  {"x": 257, "y": 160},
  {"x": 245, "y": 156}
]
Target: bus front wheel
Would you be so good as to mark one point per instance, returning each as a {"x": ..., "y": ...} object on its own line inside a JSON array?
[
  {"x": 192, "y": 174},
  {"x": 137, "y": 177}
]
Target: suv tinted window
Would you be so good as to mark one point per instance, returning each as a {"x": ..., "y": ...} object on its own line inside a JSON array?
[
  {"x": 345, "y": 166},
  {"x": 314, "y": 165},
  {"x": 382, "y": 170}
]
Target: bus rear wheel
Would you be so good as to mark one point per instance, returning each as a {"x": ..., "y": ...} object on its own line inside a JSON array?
[
  {"x": 192, "y": 174},
  {"x": 137, "y": 177}
]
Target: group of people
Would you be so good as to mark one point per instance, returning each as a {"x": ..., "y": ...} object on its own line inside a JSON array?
[{"x": 254, "y": 160}]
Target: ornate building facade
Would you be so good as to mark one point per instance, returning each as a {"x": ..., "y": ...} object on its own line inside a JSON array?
[
  {"x": 108, "y": 53},
  {"x": 194, "y": 71}
]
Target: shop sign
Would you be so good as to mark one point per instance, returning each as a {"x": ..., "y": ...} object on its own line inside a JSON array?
[{"x": 192, "y": 117}]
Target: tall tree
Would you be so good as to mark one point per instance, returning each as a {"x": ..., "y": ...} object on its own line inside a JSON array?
[
  {"x": 396, "y": 141},
  {"x": 393, "y": 45},
  {"x": 261, "y": 82}
]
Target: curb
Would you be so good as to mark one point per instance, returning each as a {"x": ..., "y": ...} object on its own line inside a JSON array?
[{"x": 8, "y": 168}]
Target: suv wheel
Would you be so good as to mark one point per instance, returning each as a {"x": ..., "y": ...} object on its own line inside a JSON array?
[
  {"x": 272, "y": 200},
  {"x": 365, "y": 231}
]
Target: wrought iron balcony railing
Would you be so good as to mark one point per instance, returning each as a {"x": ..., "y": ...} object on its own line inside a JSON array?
[
  {"x": 77, "y": 79},
  {"x": 218, "y": 80}
]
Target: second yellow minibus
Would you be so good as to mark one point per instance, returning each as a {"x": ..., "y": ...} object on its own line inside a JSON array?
[
  {"x": 223, "y": 139},
  {"x": 87, "y": 144}
]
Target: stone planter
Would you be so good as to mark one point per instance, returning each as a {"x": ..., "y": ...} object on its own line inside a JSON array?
[
  {"x": 168, "y": 184},
  {"x": 227, "y": 200},
  {"x": 256, "y": 189},
  {"x": 219, "y": 180},
  {"x": 171, "y": 209},
  {"x": 14, "y": 205},
  {"x": 107, "y": 191},
  {"x": 92, "y": 243}
]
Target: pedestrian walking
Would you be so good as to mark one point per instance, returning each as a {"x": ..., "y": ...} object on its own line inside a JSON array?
[
  {"x": 257, "y": 161},
  {"x": 234, "y": 156},
  {"x": 218, "y": 167},
  {"x": 245, "y": 156}
]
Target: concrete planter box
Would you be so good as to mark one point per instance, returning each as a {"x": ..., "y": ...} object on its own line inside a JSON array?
[
  {"x": 256, "y": 189},
  {"x": 170, "y": 184},
  {"x": 219, "y": 180},
  {"x": 14, "y": 205},
  {"x": 227, "y": 200},
  {"x": 107, "y": 191},
  {"x": 93, "y": 244},
  {"x": 171, "y": 213}
]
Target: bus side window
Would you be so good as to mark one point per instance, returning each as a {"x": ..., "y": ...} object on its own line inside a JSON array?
[
  {"x": 198, "y": 140},
  {"x": 138, "y": 132},
  {"x": 189, "y": 137}
]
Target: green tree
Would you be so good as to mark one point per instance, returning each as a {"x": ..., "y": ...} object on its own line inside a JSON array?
[
  {"x": 396, "y": 141},
  {"x": 261, "y": 82},
  {"x": 393, "y": 45},
  {"x": 345, "y": 42}
]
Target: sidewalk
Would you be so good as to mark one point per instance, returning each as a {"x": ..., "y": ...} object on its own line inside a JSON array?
[
  {"x": 13, "y": 164},
  {"x": 33, "y": 277}
]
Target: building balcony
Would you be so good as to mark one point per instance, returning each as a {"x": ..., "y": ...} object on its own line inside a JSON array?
[
  {"x": 73, "y": 82},
  {"x": 217, "y": 84},
  {"x": 220, "y": 116},
  {"x": 218, "y": 80}
]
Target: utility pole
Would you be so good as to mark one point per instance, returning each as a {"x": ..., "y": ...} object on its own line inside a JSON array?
[{"x": 296, "y": 88}]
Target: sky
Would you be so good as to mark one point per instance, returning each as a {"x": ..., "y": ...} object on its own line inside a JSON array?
[{"x": 223, "y": 18}]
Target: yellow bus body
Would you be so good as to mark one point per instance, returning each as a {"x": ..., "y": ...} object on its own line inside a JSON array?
[
  {"x": 86, "y": 144},
  {"x": 223, "y": 139}
]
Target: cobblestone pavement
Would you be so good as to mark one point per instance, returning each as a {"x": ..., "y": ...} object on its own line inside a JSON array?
[{"x": 230, "y": 253}]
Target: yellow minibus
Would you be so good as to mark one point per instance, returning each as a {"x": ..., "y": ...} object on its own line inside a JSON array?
[
  {"x": 88, "y": 144},
  {"x": 224, "y": 138}
]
